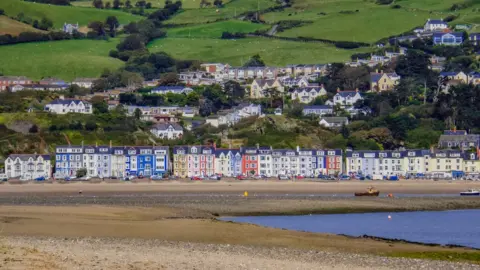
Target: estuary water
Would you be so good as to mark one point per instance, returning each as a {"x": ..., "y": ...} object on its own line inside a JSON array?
[{"x": 459, "y": 227}]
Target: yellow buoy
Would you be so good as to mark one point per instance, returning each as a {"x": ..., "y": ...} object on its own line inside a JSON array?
[{"x": 245, "y": 194}]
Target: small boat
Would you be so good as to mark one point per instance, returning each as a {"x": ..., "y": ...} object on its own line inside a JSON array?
[
  {"x": 370, "y": 192},
  {"x": 470, "y": 192}
]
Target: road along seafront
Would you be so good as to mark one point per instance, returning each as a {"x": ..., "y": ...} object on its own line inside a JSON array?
[{"x": 175, "y": 226}]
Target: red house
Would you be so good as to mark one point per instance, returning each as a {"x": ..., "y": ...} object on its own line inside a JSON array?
[
  {"x": 249, "y": 161},
  {"x": 8, "y": 81}
]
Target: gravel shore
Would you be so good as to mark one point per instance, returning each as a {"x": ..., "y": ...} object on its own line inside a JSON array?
[{"x": 111, "y": 253}]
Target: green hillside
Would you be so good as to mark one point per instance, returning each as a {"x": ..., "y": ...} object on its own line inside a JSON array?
[
  {"x": 231, "y": 10},
  {"x": 215, "y": 30},
  {"x": 64, "y": 59},
  {"x": 12, "y": 27},
  {"x": 62, "y": 14},
  {"x": 236, "y": 52}
]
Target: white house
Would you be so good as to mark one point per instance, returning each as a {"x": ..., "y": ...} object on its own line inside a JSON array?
[
  {"x": 162, "y": 90},
  {"x": 333, "y": 122},
  {"x": 308, "y": 94},
  {"x": 169, "y": 131},
  {"x": 318, "y": 110},
  {"x": 64, "y": 106},
  {"x": 346, "y": 98},
  {"x": 84, "y": 82},
  {"x": 28, "y": 167},
  {"x": 435, "y": 25}
]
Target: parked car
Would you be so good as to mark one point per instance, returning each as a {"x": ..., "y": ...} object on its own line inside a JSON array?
[
  {"x": 300, "y": 177},
  {"x": 196, "y": 178},
  {"x": 84, "y": 178},
  {"x": 156, "y": 177},
  {"x": 241, "y": 177},
  {"x": 215, "y": 177},
  {"x": 140, "y": 176},
  {"x": 344, "y": 177},
  {"x": 283, "y": 177},
  {"x": 70, "y": 178},
  {"x": 129, "y": 177},
  {"x": 261, "y": 176},
  {"x": 41, "y": 178}
]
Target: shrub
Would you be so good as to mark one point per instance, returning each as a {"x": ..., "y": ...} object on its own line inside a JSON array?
[
  {"x": 384, "y": 2},
  {"x": 396, "y": 6}
]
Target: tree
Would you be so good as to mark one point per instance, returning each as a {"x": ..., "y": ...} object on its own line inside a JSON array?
[
  {"x": 81, "y": 173},
  {"x": 45, "y": 24},
  {"x": 345, "y": 131},
  {"x": 218, "y": 3},
  {"x": 132, "y": 43},
  {"x": 137, "y": 114},
  {"x": 99, "y": 105},
  {"x": 141, "y": 3},
  {"x": 90, "y": 126},
  {"x": 255, "y": 61},
  {"x": 33, "y": 129},
  {"x": 128, "y": 4},
  {"x": 116, "y": 4},
  {"x": 206, "y": 107},
  {"x": 148, "y": 5},
  {"x": 2, "y": 12},
  {"x": 234, "y": 91},
  {"x": 169, "y": 79},
  {"x": 112, "y": 24},
  {"x": 98, "y": 3},
  {"x": 131, "y": 80},
  {"x": 98, "y": 28},
  {"x": 108, "y": 5}
]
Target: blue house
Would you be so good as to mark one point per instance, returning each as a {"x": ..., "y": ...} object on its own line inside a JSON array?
[
  {"x": 474, "y": 38},
  {"x": 68, "y": 160},
  {"x": 449, "y": 39}
]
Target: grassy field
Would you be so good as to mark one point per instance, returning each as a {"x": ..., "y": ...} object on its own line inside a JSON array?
[
  {"x": 186, "y": 4},
  {"x": 367, "y": 21},
  {"x": 64, "y": 59},
  {"x": 12, "y": 27},
  {"x": 230, "y": 10},
  {"x": 236, "y": 52},
  {"x": 62, "y": 14},
  {"x": 215, "y": 30}
]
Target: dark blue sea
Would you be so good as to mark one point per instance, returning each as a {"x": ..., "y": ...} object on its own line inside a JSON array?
[{"x": 459, "y": 227}]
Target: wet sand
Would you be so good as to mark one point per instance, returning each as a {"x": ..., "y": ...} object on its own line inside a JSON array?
[{"x": 174, "y": 226}]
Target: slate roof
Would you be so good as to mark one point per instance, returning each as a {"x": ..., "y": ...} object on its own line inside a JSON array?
[
  {"x": 338, "y": 120},
  {"x": 25, "y": 157},
  {"x": 225, "y": 151},
  {"x": 67, "y": 102},
  {"x": 165, "y": 126},
  {"x": 347, "y": 93},
  {"x": 318, "y": 107},
  {"x": 436, "y": 21},
  {"x": 448, "y": 73},
  {"x": 455, "y": 34}
]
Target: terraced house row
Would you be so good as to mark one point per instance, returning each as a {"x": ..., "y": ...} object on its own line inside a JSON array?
[
  {"x": 438, "y": 163},
  {"x": 189, "y": 161}
]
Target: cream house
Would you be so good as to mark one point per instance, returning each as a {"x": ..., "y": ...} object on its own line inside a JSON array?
[{"x": 258, "y": 87}]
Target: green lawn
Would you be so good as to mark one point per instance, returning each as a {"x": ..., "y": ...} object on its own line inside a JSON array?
[
  {"x": 62, "y": 14},
  {"x": 229, "y": 11},
  {"x": 63, "y": 59},
  {"x": 236, "y": 52},
  {"x": 215, "y": 30}
]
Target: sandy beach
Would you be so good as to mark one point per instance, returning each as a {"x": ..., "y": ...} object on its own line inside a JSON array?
[{"x": 174, "y": 225}]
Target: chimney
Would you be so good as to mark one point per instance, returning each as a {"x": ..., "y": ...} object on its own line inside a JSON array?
[
  {"x": 356, "y": 89},
  {"x": 381, "y": 71},
  {"x": 62, "y": 97},
  {"x": 96, "y": 144},
  {"x": 214, "y": 145},
  {"x": 376, "y": 70},
  {"x": 258, "y": 146},
  {"x": 110, "y": 143},
  {"x": 338, "y": 90},
  {"x": 298, "y": 148}
]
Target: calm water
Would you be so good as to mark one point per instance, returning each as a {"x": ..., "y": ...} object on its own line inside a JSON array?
[{"x": 461, "y": 227}]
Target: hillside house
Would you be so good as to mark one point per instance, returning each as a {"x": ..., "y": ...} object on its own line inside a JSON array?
[
  {"x": 383, "y": 81},
  {"x": 38, "y": 87},
  {"x": 333, "y": 122},
  {"x": 455, "y": 76},
  {"x": 435, "y": 25},
  {"x": 474, "y": 38},
  {"x": 64, "y": 106},
  {"x": 459, "y": 139},
  {"x": 258, "y": 87},
  {"x": 308, "y": 94},
  {"x": 7, "y": 81},
  {"x": 52, "y": 81},
  {"x": 474, "y": 78},
  {"x": 84, "y": 82},
  {"x": 167, "y": 131},
  {"x": 162, "y": 90},
  {"x": 448, "y": 39},
  {"x": 70, "y": 28},
  {"x": 317, "y": 110},
  {"x": 346, "y": 98}
]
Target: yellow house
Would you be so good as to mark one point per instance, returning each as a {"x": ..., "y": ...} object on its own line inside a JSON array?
[
  {"x": 258, "y": 87},
  {"x": 383, "y": 81},
  {"x": 446, "y": 161},
  {"x": 455, "y": 76},
  {"x": 180, "y": 161},
  {"x": 471, "y": 163}
]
